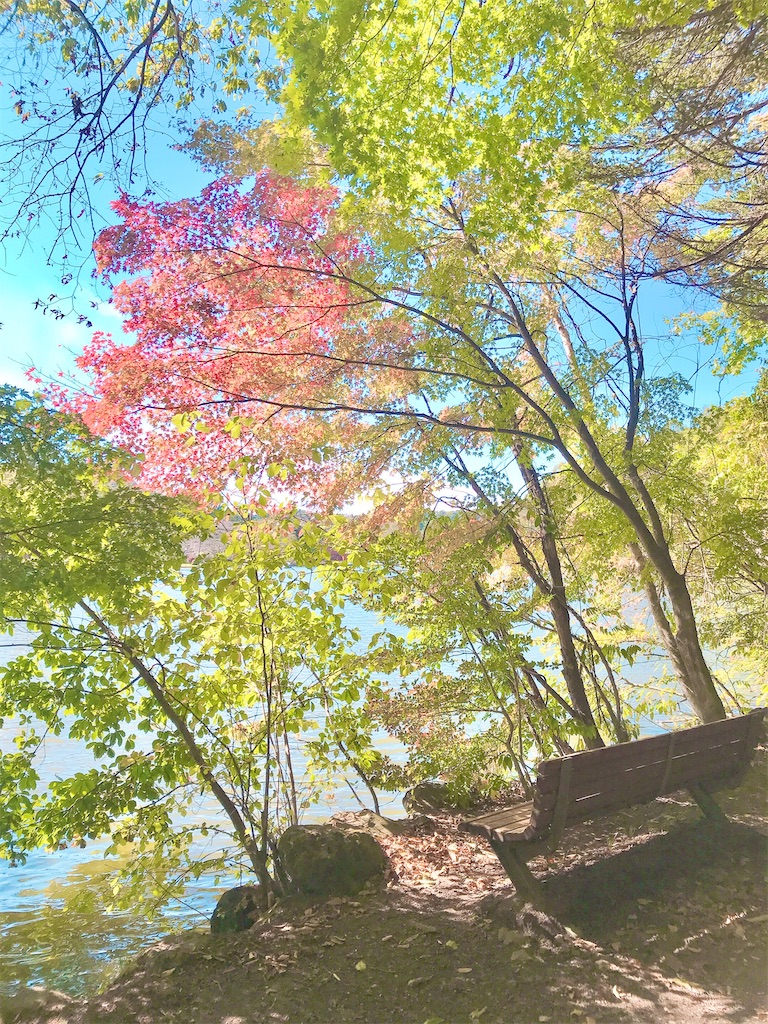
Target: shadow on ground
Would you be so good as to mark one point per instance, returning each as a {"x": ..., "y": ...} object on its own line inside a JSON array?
[
  {"x": 690, "y": 902},
  {"x": 598, "y": 897},
  {"x": 660, "y": 916}
]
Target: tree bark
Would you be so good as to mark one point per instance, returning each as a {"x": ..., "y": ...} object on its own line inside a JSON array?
[
  {"x": 558, "y": 606},
  {"x": 553, "y": 589},
  {"x": 681, "y": 643}
]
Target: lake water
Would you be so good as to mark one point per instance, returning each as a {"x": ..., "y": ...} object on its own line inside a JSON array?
[{"x": 54, "y": 928}]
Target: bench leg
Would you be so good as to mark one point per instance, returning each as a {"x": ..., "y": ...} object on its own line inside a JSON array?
[
  {"x": 707, "y": 803},
  {"x": 527, "y": 886}
]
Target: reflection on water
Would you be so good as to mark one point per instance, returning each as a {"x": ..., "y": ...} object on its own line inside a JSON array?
[
  {"x": 63, "y": 937},
  {"x": 55, "y": 926}
]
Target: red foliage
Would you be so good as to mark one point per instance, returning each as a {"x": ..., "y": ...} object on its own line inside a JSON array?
[{"x": 239, "y": 305}]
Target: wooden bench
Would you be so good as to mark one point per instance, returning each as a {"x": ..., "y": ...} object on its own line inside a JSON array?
[{"x": 595, "y": 783}]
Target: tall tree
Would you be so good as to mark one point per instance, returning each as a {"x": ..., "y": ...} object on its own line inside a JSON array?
[
  {"x": 510, "y": 203},
  {"x": 460, "y": 339},
  {"x": 682, "y": 162},
  {"x": 720, "y": 529},
  {"x": 176, "y": 679}
]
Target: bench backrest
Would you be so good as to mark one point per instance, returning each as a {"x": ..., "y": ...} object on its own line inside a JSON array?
[{"x": 597, "y": 782}]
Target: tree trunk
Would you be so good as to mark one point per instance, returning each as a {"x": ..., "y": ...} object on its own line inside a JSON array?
[
  {"x": 681, "y": 643},
  {"x": 558, "y": 605},
  {"x": 255, "y": 854},
  {"x": 553, "y": 589}
]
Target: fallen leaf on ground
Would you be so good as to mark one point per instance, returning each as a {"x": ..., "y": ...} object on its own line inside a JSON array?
[{"x": 508, "y": 935}]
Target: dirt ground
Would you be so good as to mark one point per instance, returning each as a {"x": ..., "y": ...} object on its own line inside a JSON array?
[{"x": 660, "y": 917}]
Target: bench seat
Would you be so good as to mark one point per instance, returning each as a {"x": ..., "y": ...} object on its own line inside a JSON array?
[{"x": 594, "y": 783}]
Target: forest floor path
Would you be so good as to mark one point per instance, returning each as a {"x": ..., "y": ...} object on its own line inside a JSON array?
[{"x": 663, "y": 919}]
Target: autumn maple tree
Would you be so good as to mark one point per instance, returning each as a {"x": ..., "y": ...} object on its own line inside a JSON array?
[{"x": 259, "y": 267}]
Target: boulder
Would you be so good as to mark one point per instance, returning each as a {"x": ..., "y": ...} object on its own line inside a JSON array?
[
  {"x": 432, "y": 798},
  {"x": 323, "y": 860},
  {"x": 366, "y": 821},
  {"x": 237, "y": 910},
  {"x": 378, "y": 825},
  {"x": 35, "y": 1003}
]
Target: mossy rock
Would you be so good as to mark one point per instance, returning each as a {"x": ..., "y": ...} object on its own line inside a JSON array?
[
  {"x": 367, "y": 821},
  {"x": 323, "y": 860},
  {"x": 237, "y": 910},
  {"x": 434, "y": 798}
]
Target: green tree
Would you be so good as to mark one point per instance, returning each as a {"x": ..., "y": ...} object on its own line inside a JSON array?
[
  {"x": 557, "y": 194},
  {"x": 459, "y": 346},
  {"x": 178, "y": 680},
  {"x": 721, "y": 531},
  {"x": 481, "y": 664}
]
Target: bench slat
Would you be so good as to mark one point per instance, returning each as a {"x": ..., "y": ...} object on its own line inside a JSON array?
[
  {"x": 505, "y": 817},
  {"x": 510, "y": 821},
  {"x": 698, "y": 765},
  {"x": 706, "y": 765},
  {"x": 650, "y": 750},
  {"x": 607, "y": 758},
  {"x": 638, "y": 791}
]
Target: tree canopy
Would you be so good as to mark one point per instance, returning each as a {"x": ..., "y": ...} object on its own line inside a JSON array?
[
  {"x": 85, "y": 84},
  {"x": 422, "y": 305},
  {"x": 526, "y": 356}
]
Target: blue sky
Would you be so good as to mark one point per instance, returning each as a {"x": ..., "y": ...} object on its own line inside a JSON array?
[{"x": 30, "y": 337}]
